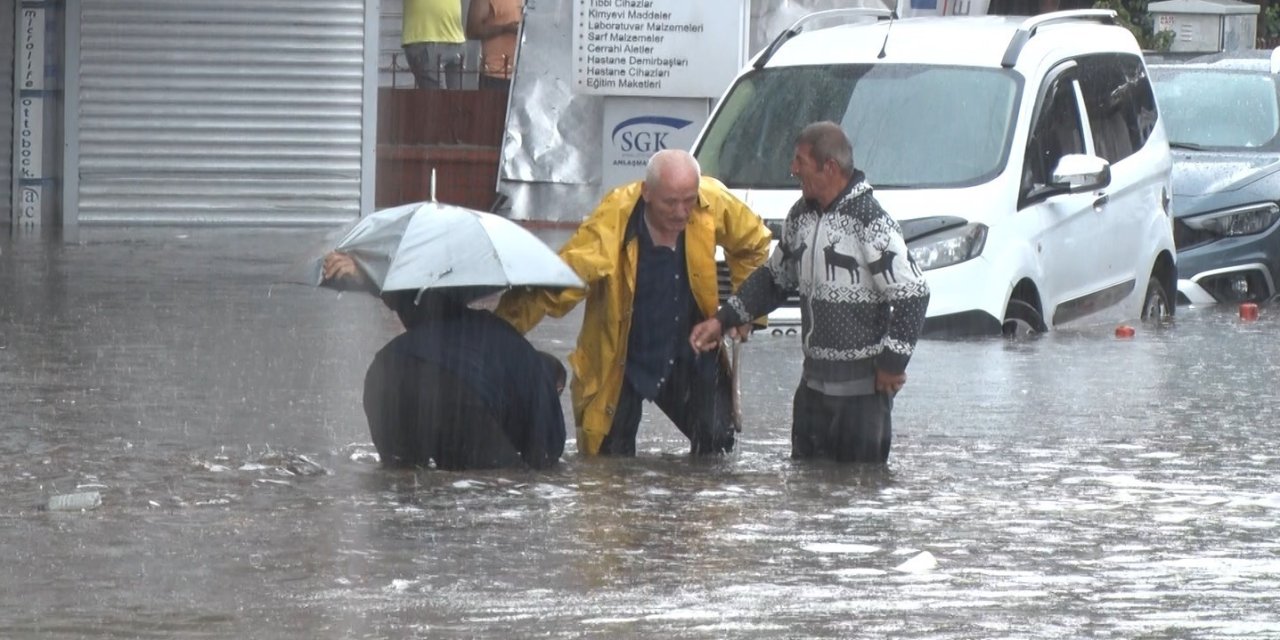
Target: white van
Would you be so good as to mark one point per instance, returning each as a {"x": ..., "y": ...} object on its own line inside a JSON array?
[{"x": 1023, "y": 157}]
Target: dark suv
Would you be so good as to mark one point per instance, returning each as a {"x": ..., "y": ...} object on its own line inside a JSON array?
[{"x": 1222, "y": 116}]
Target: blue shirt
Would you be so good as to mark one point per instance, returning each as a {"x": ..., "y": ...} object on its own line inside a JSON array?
[{"x": 662, "y": 312}]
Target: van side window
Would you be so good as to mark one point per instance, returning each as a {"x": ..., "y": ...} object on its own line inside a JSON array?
[
  {"x": 1120, "y": 102},
  {"x": 1057, "y": 132}
]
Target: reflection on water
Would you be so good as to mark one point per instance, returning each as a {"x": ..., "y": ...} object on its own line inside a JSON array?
[{"x": 1070, "y": 486}]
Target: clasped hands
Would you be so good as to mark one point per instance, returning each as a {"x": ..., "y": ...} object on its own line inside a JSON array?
[{"x": 706, "y": 337}]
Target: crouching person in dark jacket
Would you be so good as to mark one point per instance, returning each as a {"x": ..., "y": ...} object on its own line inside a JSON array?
[{"x": 461, "y": 389}]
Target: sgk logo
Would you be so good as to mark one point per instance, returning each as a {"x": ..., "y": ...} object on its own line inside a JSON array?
[{"x": 646, "y": 134}]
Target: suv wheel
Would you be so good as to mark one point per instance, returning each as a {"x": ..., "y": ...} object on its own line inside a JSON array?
[
  {"x": 1021, "y": 320},
  {"x": 1156, "y": 305}
]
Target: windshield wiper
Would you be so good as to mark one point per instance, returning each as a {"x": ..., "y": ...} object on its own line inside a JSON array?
[{"x": 1186, "y": 145}]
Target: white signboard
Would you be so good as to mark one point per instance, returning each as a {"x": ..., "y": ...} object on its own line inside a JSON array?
[
  {"x": 30, "y": 147},
  {"x": 29, "y": 197},
  {"x": 636, "y": 128},
  {"x": 668, "y": 48},
  {"x": 31, "y": 50}
]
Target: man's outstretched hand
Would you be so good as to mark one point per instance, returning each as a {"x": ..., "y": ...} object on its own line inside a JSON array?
[
  {"x": 706, "y": 335},
  {"x": 340, "y": 266}
]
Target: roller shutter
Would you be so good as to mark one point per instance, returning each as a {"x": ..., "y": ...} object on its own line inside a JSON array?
[{"x": 220, "y": 111}]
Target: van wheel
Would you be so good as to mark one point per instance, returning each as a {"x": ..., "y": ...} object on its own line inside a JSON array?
[
  {"x": 1021, "y": 320},
  {"x": 1155, "y": 306}
]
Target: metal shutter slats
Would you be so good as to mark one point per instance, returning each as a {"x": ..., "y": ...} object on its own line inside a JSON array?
[{"x": 220, "y": 111}]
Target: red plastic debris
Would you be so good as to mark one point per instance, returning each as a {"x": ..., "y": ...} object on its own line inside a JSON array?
[
  {"x": 1125, "y": 331},
  {"x": 1248, "y": 311}
]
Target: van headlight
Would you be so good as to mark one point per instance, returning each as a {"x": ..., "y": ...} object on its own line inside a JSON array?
[
  {"x": 953, "y": 246},
  {"x": 1237, "y": 221}
]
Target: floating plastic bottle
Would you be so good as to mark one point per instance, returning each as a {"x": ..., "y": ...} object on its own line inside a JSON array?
[{"x": 75, "y": 501}]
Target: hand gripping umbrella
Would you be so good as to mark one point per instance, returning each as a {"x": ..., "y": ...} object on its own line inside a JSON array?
[{"x": 429, "y": 245}]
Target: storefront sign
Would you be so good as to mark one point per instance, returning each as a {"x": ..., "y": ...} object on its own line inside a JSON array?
[
  {"x": 30, "y": 147},
  {"x": 667, "y": 48},
  {"x": 29, "y": 199},
  {"x": 637, "y": 128},
  {"x": 30, "y": 65}
]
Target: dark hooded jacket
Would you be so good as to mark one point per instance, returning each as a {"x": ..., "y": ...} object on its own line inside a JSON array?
[{"x": 497, "y": 365}]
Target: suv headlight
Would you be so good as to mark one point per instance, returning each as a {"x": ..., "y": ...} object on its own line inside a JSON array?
[
  {"x": 949, "y": 247},
  {"x": 1238, "y": 221}
]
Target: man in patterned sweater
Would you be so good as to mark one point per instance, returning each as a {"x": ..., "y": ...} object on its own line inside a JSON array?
[{"x": 862, "y": 303}]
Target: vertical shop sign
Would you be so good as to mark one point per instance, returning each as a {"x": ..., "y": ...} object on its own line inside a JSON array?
[
  {"x": 30, "y": 74},
  {"x": 28, "y": 148},
  {"x": 29, "y": 207}
]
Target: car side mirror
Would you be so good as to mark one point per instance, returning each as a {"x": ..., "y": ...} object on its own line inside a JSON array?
[{"x": 1078, "y": 172}]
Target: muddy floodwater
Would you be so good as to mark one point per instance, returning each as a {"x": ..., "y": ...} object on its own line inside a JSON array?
[{"x": 1071, "y": 486}]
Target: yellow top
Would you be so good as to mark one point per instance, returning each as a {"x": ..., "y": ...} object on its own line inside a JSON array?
[{"x": 432, "y": 21}]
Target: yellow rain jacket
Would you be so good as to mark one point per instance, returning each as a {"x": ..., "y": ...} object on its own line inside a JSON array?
[{"x": 597, "y": 253}]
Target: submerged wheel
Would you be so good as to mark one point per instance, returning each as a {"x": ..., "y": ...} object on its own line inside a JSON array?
[
  {"x": 1021, "y": 320},
  {"x": 1156, "y": 306}
]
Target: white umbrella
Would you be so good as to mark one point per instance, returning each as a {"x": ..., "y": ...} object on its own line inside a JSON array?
[{"x": 429, "y": 245}]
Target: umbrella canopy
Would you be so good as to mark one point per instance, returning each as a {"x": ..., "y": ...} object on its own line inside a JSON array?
[{"x": 429, "y": 245}]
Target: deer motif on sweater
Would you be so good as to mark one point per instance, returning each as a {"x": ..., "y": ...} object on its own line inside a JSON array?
[
  {"x": 884, "y": 264},
  {"x": 836, "y": 260}
]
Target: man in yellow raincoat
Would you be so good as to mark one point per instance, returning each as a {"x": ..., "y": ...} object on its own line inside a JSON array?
[{"x": 647, "y": 255}]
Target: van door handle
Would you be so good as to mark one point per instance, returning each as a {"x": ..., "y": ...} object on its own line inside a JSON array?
[{"x": 1101, "y": 202}]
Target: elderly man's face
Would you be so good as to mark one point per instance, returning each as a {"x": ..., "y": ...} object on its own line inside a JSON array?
[{"x": 669, "y": 203}]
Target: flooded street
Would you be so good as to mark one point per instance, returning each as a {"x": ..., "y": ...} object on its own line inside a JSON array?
[{"x": 1071, "y": 486}]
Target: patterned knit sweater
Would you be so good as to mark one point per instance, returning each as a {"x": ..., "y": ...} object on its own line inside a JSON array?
[{"x": 862, "y": 297}]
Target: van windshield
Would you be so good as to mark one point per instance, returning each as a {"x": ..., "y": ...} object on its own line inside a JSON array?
[{"x": 912, "y": 126}]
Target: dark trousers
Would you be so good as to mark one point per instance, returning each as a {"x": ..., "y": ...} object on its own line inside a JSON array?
[
  {"x": 419, "y": 413},
  {"x": 496, "y": 83},
  {"x": 696, "y": 397},
  {"x": 841, "y": 428},
  {"x": 435, "y": 65}
]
